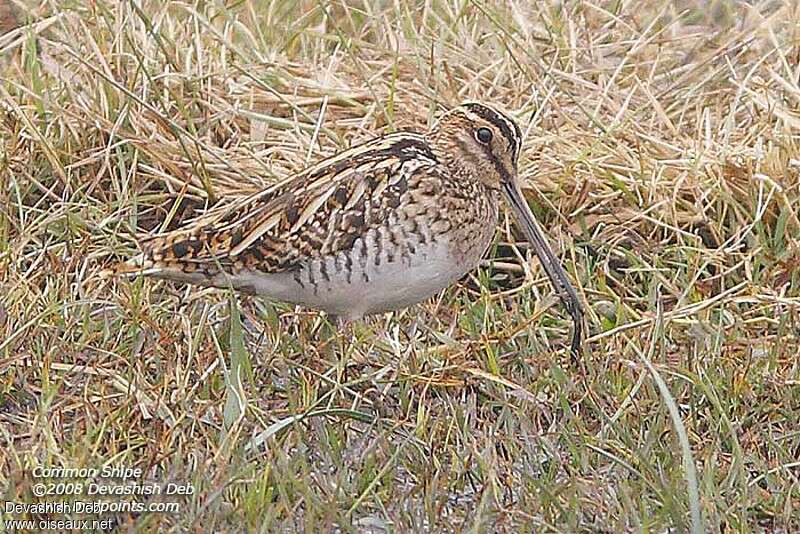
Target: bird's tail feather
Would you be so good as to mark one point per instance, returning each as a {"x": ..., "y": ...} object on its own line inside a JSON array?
[
  {"x": 142, "y": 265},
  {"x": 137, "y": 266}
]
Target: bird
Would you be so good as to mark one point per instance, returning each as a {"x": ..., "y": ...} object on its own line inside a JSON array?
[{"x": 375, "y": 228}]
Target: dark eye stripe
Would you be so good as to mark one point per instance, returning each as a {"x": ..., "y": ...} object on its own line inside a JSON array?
[{"x": 508, "y": 128}]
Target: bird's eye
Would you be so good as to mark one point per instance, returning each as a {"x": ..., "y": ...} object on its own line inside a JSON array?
[{"x": 483, "y": 135}]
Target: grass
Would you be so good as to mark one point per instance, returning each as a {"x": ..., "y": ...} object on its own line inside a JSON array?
[{"x": 661, "y": 155}]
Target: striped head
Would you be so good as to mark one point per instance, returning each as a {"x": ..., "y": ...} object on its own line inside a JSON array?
[{"x": 477, "y": 141}]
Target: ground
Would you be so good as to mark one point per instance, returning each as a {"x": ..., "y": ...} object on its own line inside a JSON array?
[{"x": 661, "y": 156}]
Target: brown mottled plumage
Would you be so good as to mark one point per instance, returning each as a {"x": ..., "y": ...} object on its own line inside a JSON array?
[{"x": 377, "y": 227}]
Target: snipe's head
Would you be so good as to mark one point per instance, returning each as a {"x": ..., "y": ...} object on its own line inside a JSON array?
[{"x": 476, "y": 141}]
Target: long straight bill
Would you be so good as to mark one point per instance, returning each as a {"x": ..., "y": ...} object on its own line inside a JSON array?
[{"x": 558, "y": 277}]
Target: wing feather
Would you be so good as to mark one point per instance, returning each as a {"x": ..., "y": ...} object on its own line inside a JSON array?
[{"x": 293, "y": 221}]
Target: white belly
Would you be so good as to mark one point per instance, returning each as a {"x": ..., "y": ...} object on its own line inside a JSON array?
[{"x": 365, "y": 286}]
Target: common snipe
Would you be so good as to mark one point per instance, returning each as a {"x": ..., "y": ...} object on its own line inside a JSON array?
[{"x": 375, "y": 228}]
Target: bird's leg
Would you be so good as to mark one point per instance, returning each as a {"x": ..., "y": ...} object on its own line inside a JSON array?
[
  {"x": 344, "y": 335},
  {"x": 411, "y": 331}
]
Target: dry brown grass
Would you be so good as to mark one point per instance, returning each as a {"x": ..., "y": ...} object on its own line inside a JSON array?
[{"x": 662, "y": 155}]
